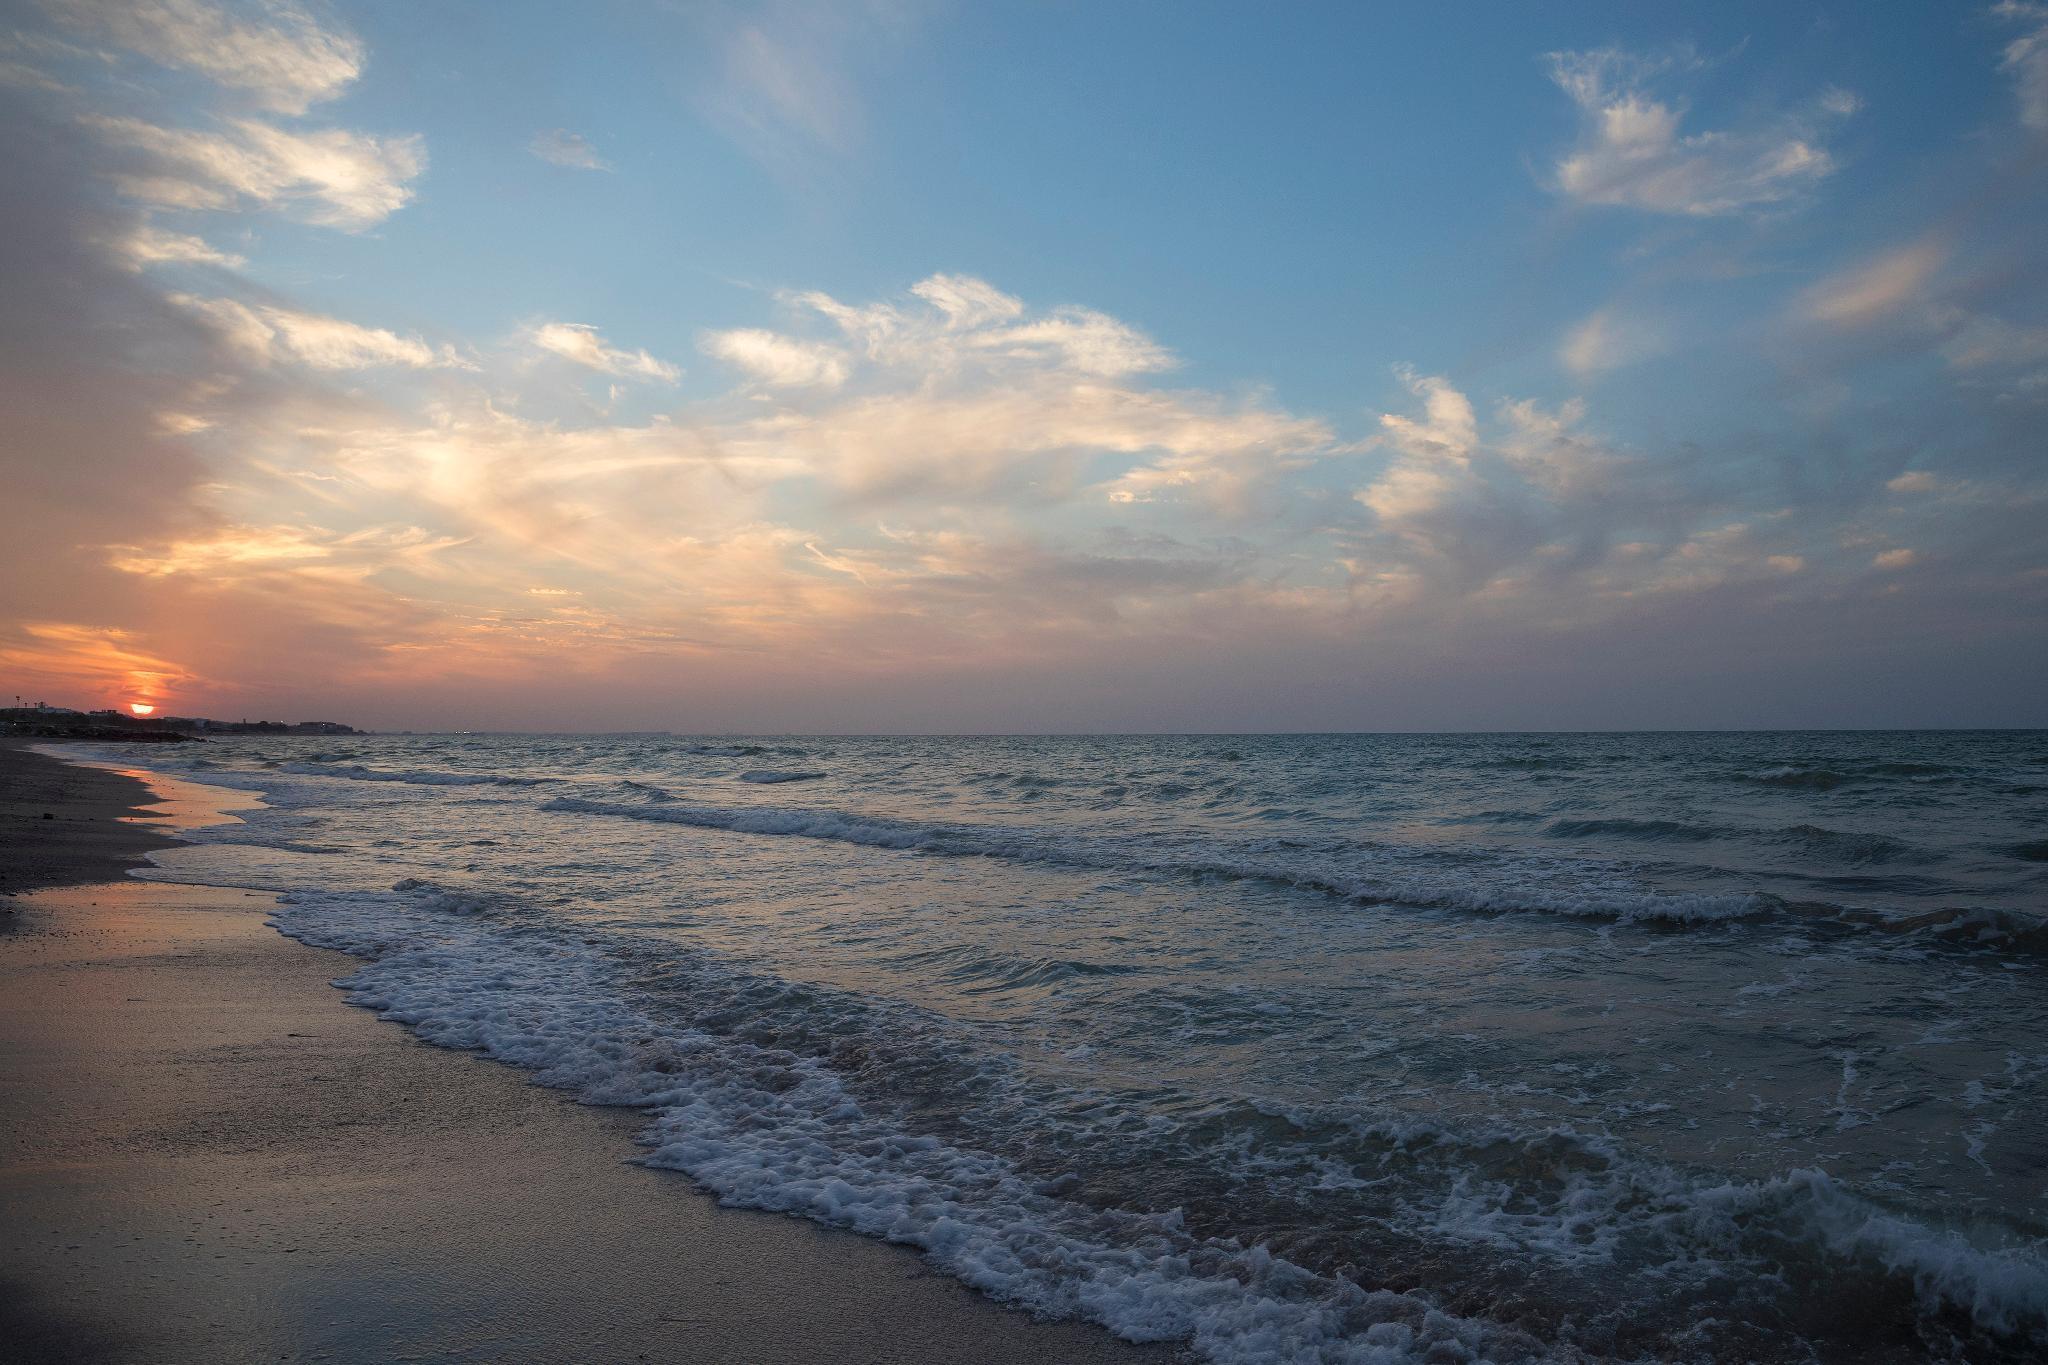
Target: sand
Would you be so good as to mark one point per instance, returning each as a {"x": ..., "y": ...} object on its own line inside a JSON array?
[{"x": 207, "y": 1156}]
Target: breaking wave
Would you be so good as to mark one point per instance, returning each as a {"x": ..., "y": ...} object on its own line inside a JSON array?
[
  {"x": 758, "y": 1090},
  {"x": 1404, "y": 879},
  {"x": 356, "y": 772}
]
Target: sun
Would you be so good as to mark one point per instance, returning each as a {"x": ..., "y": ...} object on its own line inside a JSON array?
[{"x": 141, "y": 708}]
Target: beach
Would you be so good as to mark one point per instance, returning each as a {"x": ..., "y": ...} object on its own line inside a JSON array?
[{"x": 210, "y": 1157}]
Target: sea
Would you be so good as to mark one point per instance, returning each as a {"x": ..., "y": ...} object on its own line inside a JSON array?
[{"x": 1301, "y": 1048}]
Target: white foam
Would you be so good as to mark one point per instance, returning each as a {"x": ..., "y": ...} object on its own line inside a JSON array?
[
  {"x": 765, "y": 1128},
  {"x": 768, "y": 1128}
]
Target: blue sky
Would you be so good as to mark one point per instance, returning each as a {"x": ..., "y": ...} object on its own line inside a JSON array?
[{"x": 1132, "y": 366}]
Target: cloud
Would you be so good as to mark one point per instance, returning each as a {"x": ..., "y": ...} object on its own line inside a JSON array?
[
  {"x": 786, "y": 78},
  {"x": 1530, "y": 508},
  {"x": 1631, "y": 152},
  {"x": 73, "y": 659},
  {"x": 964, "y": 388},
  {"x": 1896, "y": 559},
  {"x": 1035, "y": 438},
  {"x": 565, "y": 148},
  {"x": 776, "y": 360},
  {"x": 2026, "y": 60},
  {"x": 275, "y": 51},
  {"x": 580, "y": 344},
  {"x": 967, "y": 302},
  {"x": 1608, "y": 339},
  {"x": 232, "y": 550},
  {"x": 263, "y": 334},
  {"x": 967, "y": 322},
  {"x": 1982, "y": 341},
  {"x": 149, "y": 245},
  {"x": 1432, "y": 452},
  {"x": 1913, "y": 481},
  {"x": 1877, "y": 288},
  {"x": 331, "y": 177},
  {"x": 1911, "y": 294}
]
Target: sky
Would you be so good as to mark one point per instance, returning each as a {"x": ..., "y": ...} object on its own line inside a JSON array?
[{"x": 1004, "y": 367}]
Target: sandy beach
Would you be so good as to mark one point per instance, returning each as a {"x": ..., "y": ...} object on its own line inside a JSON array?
[{"x": 209, "y": 1157}]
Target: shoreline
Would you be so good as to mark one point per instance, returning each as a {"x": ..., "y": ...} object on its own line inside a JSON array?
[{"x": 210, "y": 1157}]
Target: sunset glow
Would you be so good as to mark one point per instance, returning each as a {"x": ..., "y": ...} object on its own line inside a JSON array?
[
  {"x": 798, "y": 381},
  {"x": 141, "y": 708}
]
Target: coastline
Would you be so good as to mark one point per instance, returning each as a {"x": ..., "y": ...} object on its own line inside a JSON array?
[{"x": 210, "y": 1157}]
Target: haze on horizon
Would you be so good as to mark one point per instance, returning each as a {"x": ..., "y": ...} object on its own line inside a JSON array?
[{"x": 921, "y": 367}]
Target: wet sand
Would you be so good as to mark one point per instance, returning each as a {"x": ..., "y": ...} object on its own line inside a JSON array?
[{"x": 207, "y": 1156}]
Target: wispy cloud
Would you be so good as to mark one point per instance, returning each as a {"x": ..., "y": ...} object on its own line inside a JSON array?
[
  {"x": 1608, "y": 339},
  {"x": 580, "y": 344},
  {"x": 263, "y": 334},
  {"x": 276, "y": 52},
  {"x": 564, "y": 148},
  {"x": 332, "y": 177},
  {"x": 1876, "y": 289},
  {"x": 150, "y": 245},
  {"x": 777, "y": 360},
  {"x": 1632, "y": 152},
  {"x": 2026, "y": 59},
  {"x": 786, "y": 79}
]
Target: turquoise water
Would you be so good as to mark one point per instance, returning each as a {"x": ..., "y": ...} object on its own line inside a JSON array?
[{"x": 1316, "y": 1048}]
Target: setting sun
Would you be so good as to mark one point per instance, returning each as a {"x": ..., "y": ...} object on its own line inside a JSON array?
[{"x": 141, "y": 708}]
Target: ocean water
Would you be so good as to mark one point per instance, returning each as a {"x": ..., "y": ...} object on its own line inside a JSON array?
[{"x": 1304, "y": 1048}]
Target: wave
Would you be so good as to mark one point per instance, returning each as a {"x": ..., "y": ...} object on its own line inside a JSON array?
[
  {"x": 1362, "y": 873},
  {"x": 756, "y": 1088},
  {"x": 741, "y": 750},
  {"x": 1406, "y": 879},
  {"x": 771, "y": 775},
  {"x": 1815, "y": 779},
  {"x": 983, "y": 969},
  {"x": 1829, "y": 778},
  {"x": 356, "y": 772},
  {"x": 1806, "y": 841},
  {"x": 1536, "y": 763},
  {"x": 767, "y": 1128},
  {"x": 1632, "y": 829}
]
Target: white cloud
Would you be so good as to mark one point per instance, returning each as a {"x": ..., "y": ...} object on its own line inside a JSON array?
[
  {"x": 1913, "y": 481},
  {"x": 966, "y": 301},
  {"x": 2026, "y": 60},
  {"x": 152, "y": 245},
  {"x": 275, "y": 51},
  {"x": 580, "y": 344},
  {"x": 332, "y": 177},
  {"x": 776, "y": 360},
  {"x": 969, "y": 322},
  {"x": 1006, "y": 436},
  {"x": 1632, "y": 154},
  {"x": 565, "y": 148},
  {"x": 1432, "y": 453},
  {"x": 1896, "y": 559},
  {"x": 263, "y": 335},
  {"x": 1083, "y": 340}
]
